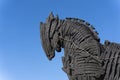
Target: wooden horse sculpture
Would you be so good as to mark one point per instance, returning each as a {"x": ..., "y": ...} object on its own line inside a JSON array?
[{"x": 85, "y": 58}]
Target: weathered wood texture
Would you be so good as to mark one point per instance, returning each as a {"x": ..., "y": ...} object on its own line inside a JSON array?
[{"x": 85, "y": 58}]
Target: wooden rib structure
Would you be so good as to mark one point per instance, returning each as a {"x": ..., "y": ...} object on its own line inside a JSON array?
[{"x": 85, "y": 58}]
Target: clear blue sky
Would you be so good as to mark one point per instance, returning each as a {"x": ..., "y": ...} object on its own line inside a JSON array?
[{"x": 21, "y": 54}]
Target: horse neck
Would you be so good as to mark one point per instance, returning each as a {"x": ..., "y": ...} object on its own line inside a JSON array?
[
  {"x": 75, "y": 31},
  {"x": 79, "y": 35}
]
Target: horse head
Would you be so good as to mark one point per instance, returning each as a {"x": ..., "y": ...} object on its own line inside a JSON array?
[{"x": 49, "y": 36}]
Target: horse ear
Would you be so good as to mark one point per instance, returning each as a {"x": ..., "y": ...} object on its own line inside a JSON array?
[{"x": 50, "y": 17}]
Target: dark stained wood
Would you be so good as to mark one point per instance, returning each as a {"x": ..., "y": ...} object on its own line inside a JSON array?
[{"x": 85, "y": 58}]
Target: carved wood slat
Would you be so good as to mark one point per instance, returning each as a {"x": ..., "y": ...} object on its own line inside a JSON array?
[{"x": 85, "y": 58}]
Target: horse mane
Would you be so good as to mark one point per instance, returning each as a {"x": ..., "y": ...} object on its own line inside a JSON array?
[{"x": 85, "y": 23}]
